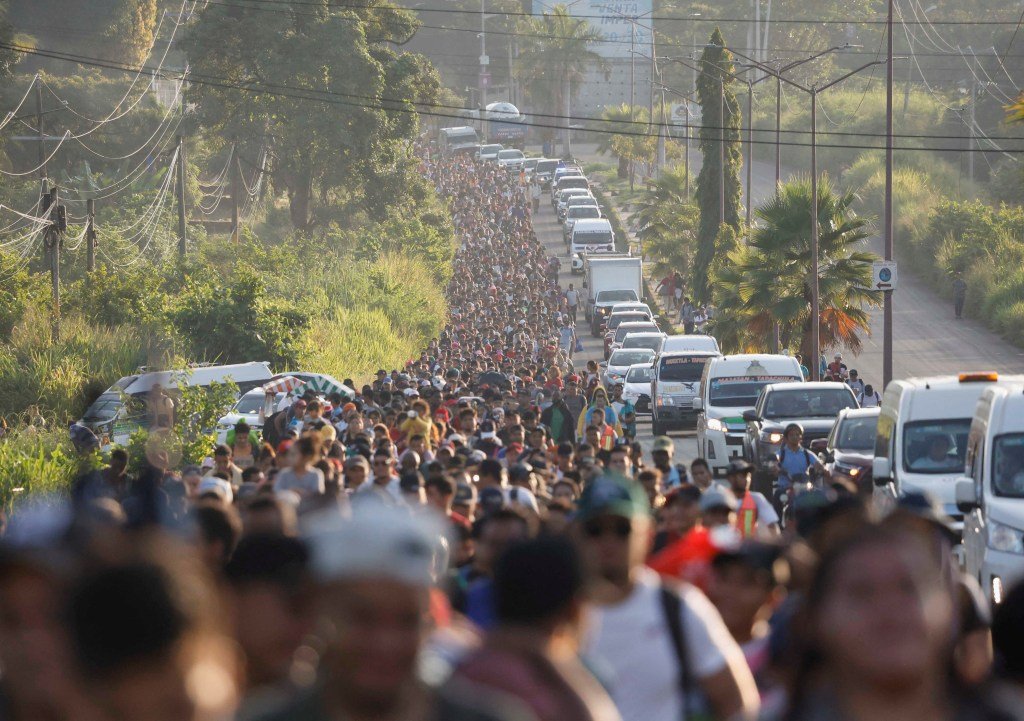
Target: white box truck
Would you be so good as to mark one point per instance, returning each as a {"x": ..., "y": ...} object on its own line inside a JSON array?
[{"x": 607, "y": 280}]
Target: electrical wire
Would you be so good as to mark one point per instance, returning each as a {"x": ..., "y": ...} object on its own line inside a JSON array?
[
  {"x": 12, "y": 113},
  {"x": 42, "y": 165}
]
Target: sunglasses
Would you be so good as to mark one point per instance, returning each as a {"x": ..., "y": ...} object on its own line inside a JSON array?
[{"x": 619, "y": 527}]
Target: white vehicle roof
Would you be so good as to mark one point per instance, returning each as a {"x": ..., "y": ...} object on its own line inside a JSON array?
[
  {"x": 1008, "y": 416},
  {"x": 687, "y": 353},
  {"x": 689, "y": 342},
  {"x": 941, "y": 396},
  {"x": 635, "y": 305},
  {"x": 623, "y": 351},
  {"x": 755, "y": 364},
  {"x": 591, "y": 225},
  {"x": 510, "y": 153},
  {"x": 809, "y": 386},
  {"x": 197, "y": 376},
  {"x": 566, "y": 193}
]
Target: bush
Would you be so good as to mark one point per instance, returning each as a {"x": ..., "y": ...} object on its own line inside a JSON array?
[{"x": 36, "y": 461}]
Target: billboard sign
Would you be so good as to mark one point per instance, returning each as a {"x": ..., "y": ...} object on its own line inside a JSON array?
[{"x": 614, "y": 20}]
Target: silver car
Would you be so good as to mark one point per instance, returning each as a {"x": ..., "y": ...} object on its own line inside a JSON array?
[{"x": 620, "y": 361}]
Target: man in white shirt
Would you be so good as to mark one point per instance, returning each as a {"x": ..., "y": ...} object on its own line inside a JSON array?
[
  {"x": 572, "y": 300},
  {"x": 654, "y": 666}
]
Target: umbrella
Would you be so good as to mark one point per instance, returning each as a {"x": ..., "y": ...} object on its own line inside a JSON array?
[
  {"x": 285, "y": 384},
  {"x": 325, "y": 385}
]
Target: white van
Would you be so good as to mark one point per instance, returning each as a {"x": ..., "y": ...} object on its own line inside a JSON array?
[
  {"x": 675, "y": 385},
  {"x": 921, "y": 440},
  {"x": 592, "y": 235},
  {"x": 110, "y": 419},
  {"x": 690, "y": 342},
  {"x": 730, "y": 385},
  {"x": 991, "y": 495}
]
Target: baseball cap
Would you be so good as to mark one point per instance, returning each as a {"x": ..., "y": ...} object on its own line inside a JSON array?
[
  {"x": 379, "y": 541},
  {"x": 212, "y": 484},
  {"x": 476, "y": 457},
  {"x": 718, "y": 497},
  {"x": 523, "y": 498},
  {"x": 464, "y": 493},
  {"x": 492, "y": 499},
  {"x": 738, "y": 466},
  {"x": 662, "y": 443},
  {"x": 614, "y": 496}
]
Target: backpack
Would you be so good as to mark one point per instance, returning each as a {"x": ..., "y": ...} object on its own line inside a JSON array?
[{"x": 270, "y": 434}]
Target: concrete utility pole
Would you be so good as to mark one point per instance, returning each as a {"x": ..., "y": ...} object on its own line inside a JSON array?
[
  {"x": 235, "y": 172},
  {"x": 815, "y": 300},
  {"x": 39, "y": 129},
  {"x": 721, "y": 149},
  {"x": 56, "y": 225},
  {"x": 90, "y": 236},
  {"x": 887, "y": 332},
  {"x": 484, "y": 60},
  {"x": 182, "y": 229},
  {"x": 750, "y": 147}
]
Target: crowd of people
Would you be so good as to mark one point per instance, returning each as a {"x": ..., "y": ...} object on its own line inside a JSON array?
[{"x": 477, "y": 536}]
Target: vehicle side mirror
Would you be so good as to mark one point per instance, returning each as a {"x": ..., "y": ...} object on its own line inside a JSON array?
[
  {"x": 966, "y": 498},
  {"x": 602, "y": 364},
  {"x": 751, "y": 416},
  {"x": 698, "y": 404},
  {"x": 819, "y": 445},
  {"x": 881, "y": 471}
]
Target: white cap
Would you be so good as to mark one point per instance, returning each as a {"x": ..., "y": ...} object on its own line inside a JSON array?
[
  {"x": 379, "y": 541},
  {"x": 522, "y": 497},
  {"x": 212, "y": 484}
]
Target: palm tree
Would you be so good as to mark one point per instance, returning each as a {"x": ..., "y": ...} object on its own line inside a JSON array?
[
  {"x": 557, "y": 59},
  {"x": 617, "y": 119},
  {"x": 770, "y": 279},
  {"x": 665, "y": 221}
]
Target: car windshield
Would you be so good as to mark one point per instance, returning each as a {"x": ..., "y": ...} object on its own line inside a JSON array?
[
  {"x": 103, "y": 408},
  {"x": 681, "y": 369},
  {"x": 857, "y": 434},
  {"x": 546, "y": 166},
  {"x": 615, "y": 320},
  {"x": 612, "y": 296},
  {"x": 629, "y": 357},
  {"x": 1008, "y": 466},
  {"x": 653, "y": 342},
  {"x": 249, "y": 403},
  {"x": 643, "y": 374},
  {"x": 808, "y": 403},
  {"x": 584, "y": 211},
  {"x": 581, "y": 199},
  {"x": 592, "y": 237},
  {"x": 573, "y": 181},
  {"x": 490, "y": 149},
  {"x": 935, "y": 446},
  {"x": 741, "y": 391},
  {"x": 621, "y": 331},
  {"x": 511, "y": 154}
]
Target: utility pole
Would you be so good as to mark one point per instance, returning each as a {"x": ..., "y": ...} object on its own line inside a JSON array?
[
  {"x": 887, "y": 221},
  {"x": 750, "y": 146},
  {"x": 815, "y": 301},
  {"x": 721, "y": 150},
  {"x": 484, "y": 61},
  {"x": 235, "y": 171},
  {"x": 56, "y": 224},
  {"x": 632, "y": 90},
  {"x": 686, "y": 150},
  {"x": 778, "y": 131},
  {"x": 973, "y": 140},
  {"x": 90, "y": 235},
  {"x": 182, "y": 230},
  {"x": 39, "y": 130}
]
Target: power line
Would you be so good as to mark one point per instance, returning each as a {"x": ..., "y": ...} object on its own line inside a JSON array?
[{"x": 405, "y": 106}]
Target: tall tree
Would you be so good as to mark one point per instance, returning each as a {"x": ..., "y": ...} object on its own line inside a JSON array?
[
  {"x": 120, "y": 30},
  {"x": 715, "y": 95},
  {"x": 769, "y": 281},
  {"x": 317, "y": 83},
  {"x": 558, "y": 56}
]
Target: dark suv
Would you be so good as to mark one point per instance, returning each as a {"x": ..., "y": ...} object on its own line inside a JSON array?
[{"x": 814, "y": 406}]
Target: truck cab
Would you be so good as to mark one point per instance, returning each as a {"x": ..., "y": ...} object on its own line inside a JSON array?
[
  {"x": 991, "y": 493},
  {"x": 676, "y": 383}
]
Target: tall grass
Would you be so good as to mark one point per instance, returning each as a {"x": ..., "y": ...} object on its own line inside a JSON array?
[
  {"x": 62, "y": 377},
  {"x": 36, "y": 462}
]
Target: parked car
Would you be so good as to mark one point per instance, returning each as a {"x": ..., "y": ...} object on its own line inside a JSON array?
[
  {"x": 489, "y": 152},
  {"x": 511, "y": 159}
]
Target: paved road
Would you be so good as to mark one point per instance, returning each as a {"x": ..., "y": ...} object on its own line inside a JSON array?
[
  {"x": 549, "y": 232},
  {"x": 928, "y": 340}
]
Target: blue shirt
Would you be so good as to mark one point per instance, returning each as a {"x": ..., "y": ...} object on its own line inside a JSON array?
[{"x": 795, "y": 462}]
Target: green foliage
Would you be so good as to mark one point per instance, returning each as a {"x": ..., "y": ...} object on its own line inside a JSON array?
[
  {"x": 320, "y": 148},
  {"x": 715, "y": 95},
  {"x": 63, "y": 377},
  {"x": 666, "y": 223},
  {"x": 770, "y": 280},
  {"x": 38, "y": 462},
  {"x": 19, "y": 290}
]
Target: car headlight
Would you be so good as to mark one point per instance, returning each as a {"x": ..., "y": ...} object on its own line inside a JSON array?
[
  {"x": 1005, "y": 539},
  {"x": 665, "y": 401},
  {"x": 713, "y": 424},
  {"x": 772, "y": 438},
  {"x": 851, "y": 471},
  {"x": 604, "y": 311}
]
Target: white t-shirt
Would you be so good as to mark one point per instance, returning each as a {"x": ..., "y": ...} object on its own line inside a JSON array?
[{"x": 630, "y": 647}]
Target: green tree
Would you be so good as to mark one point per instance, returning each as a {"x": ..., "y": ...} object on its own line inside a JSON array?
[
  {"x": 770, "y": 279},
  {"x": 120, "y": 30},
  {"x": 554, "y": 64},
  {"x": 715, "y": 95},
  {"x": 666, "y": 223},
  {"x": 617, "y": 120},
  {"x": 363, "y": 93}
]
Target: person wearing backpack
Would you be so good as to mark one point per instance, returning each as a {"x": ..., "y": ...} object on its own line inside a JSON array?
[
  {"x": 667, "y": 651},
  {"x": 869, "y": 397},
  {"x": 793, "y": 459}
]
